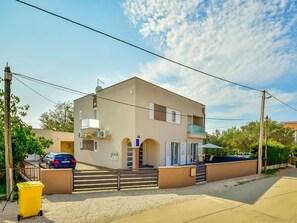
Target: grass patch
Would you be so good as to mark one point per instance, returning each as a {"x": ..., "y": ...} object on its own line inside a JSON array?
[{"x": 271, "y": 172}]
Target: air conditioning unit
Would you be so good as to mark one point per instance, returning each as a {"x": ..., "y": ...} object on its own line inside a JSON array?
[{"x": 103, "y": 134}]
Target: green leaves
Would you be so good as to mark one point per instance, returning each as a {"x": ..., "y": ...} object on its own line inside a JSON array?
[
  {"x": 277, "y": 153},
  {"x": 244, "y": 137},
  {"x": 24, "y": 140},
  {"x": 61, "y": 119}
]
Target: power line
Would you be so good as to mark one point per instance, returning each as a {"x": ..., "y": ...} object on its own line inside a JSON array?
[
  {"x": 115, "y": 101},
  {"x": 282, "y": 102},
  {"x": 62, "y": 88},
  {"x": 36, "y": 91},
  {"x": 138, "y": 47}
]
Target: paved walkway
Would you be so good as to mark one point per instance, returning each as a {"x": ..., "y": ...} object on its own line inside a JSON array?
[{"x": 273, "y": 199}]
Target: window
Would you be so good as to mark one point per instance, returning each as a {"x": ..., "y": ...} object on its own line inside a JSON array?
[
  {"x": 88, "y": 145},
  {"x": 162, "y": 113},
  {"x": 129, "y": 157},
  {"x": 194, "y": 152},
  {"x": 195, "y": 120},
  {"x": 175, "y": 153},
  {"x": 159, "y": 112},
  {"x": 173, "y": 116}
]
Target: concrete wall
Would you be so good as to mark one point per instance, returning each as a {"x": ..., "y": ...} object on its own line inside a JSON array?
[
  {"x": 57, "y": 181},
  {"x": 56, "y": 136},
  {"x": 176, "y": 176},
  {"x": 222, "y": 171}
]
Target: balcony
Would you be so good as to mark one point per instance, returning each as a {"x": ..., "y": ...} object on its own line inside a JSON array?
[
  {"x": 89, "y": 125},
  {"x": 196, "y": 131}
]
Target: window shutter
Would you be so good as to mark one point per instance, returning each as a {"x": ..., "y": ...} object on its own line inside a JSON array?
[
  {"x": 178, "y": 117},
  {"x": 188, "y": 153},
  {"x": 151, "y": 110},
  {"x": 168, "y": 115},
  {"x": 183, "y": 153},
  {"x": 200, "y": 149},
  {"x": 168, "y": 154}
]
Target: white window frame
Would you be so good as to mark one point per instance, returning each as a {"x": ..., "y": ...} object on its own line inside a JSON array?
[{"x": 173, "y": 116}]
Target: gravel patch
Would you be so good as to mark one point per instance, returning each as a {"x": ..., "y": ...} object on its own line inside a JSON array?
[{"x": 109, "y": 206}]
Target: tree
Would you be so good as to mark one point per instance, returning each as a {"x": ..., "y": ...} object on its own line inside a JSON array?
[
  {"x": 244, "y": 137},
  {"x": 61, "y": 119},
  {"x": 24, "y": 140}
]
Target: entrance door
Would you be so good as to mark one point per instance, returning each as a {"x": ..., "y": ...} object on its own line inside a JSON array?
[{"x": 129, "y": 157}]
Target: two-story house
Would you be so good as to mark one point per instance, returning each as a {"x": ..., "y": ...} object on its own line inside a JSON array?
[{"x": 137, "y": 124}]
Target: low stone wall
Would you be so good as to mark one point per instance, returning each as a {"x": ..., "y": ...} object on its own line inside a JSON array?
[
  {"x": 227, "y": 170},
  {"x": 177, "y": 176},
  {"x": 57, "y": 181}
]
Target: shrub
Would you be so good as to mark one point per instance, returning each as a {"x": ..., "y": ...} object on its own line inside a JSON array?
[{"x": 276, "y": 152}]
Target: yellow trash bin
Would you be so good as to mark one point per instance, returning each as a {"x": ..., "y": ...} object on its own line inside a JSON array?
[{"x": 30, "y": 194}]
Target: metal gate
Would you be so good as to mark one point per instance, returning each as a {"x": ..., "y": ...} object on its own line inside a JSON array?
[
  {"x": 200, "y": 172},
  {"x": 88, "y": 180}
]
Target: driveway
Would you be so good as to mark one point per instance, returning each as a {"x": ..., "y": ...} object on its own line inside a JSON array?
[{"x": 272, "y": 199}]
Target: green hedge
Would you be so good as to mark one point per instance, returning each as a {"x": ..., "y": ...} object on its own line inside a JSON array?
[{"x": 276, "y": 152}]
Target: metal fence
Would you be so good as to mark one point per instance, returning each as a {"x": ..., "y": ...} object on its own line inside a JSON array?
[
  {"x": 27, "y": 172},
  {"x": 88, "y": 180}
]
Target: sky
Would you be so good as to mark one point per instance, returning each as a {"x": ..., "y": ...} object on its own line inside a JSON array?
[{"x": 249, "y": 42}]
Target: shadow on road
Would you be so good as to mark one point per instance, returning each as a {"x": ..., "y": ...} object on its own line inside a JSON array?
[{"x": 251, "y": 192}]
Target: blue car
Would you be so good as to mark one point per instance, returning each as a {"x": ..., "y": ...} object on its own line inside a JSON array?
[{"x": 57, "y": 160}]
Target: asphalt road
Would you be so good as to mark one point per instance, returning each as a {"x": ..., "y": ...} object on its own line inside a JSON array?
[{"x": 272, "y": 199}]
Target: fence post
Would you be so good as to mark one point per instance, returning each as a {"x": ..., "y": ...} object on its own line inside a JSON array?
[{"x": 119, "y": 179}]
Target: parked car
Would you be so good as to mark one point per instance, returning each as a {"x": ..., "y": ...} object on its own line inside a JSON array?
[{"x": 57, "y": 160}]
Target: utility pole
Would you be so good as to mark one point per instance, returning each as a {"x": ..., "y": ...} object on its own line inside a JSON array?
[
  {"x": 7, "y": 134},
  {"x": 266, "y": 133},
  {"x": 261, "y": 133}
]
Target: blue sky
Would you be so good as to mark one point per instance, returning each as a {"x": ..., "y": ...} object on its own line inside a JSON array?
[{"x": 249, "y": 42}]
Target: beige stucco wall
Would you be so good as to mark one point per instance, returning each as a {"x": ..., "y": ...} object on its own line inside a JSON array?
[
  {"x": 162, "y": 131},
  {"x": 57, "y": 181},
  {"x": 227, "y": 170},
  {"x": 115, "y": 117},
  {"x": 56, "y": 136},
  {"x": 128, "y": 122},
  {"x": 176, "y": 176}
]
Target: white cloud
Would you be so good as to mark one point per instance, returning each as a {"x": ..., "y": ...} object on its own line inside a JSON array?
[{"x": 249, "y": 42}]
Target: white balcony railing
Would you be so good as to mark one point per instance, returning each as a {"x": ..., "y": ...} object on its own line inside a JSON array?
[{"x": 89, "y": 124}]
